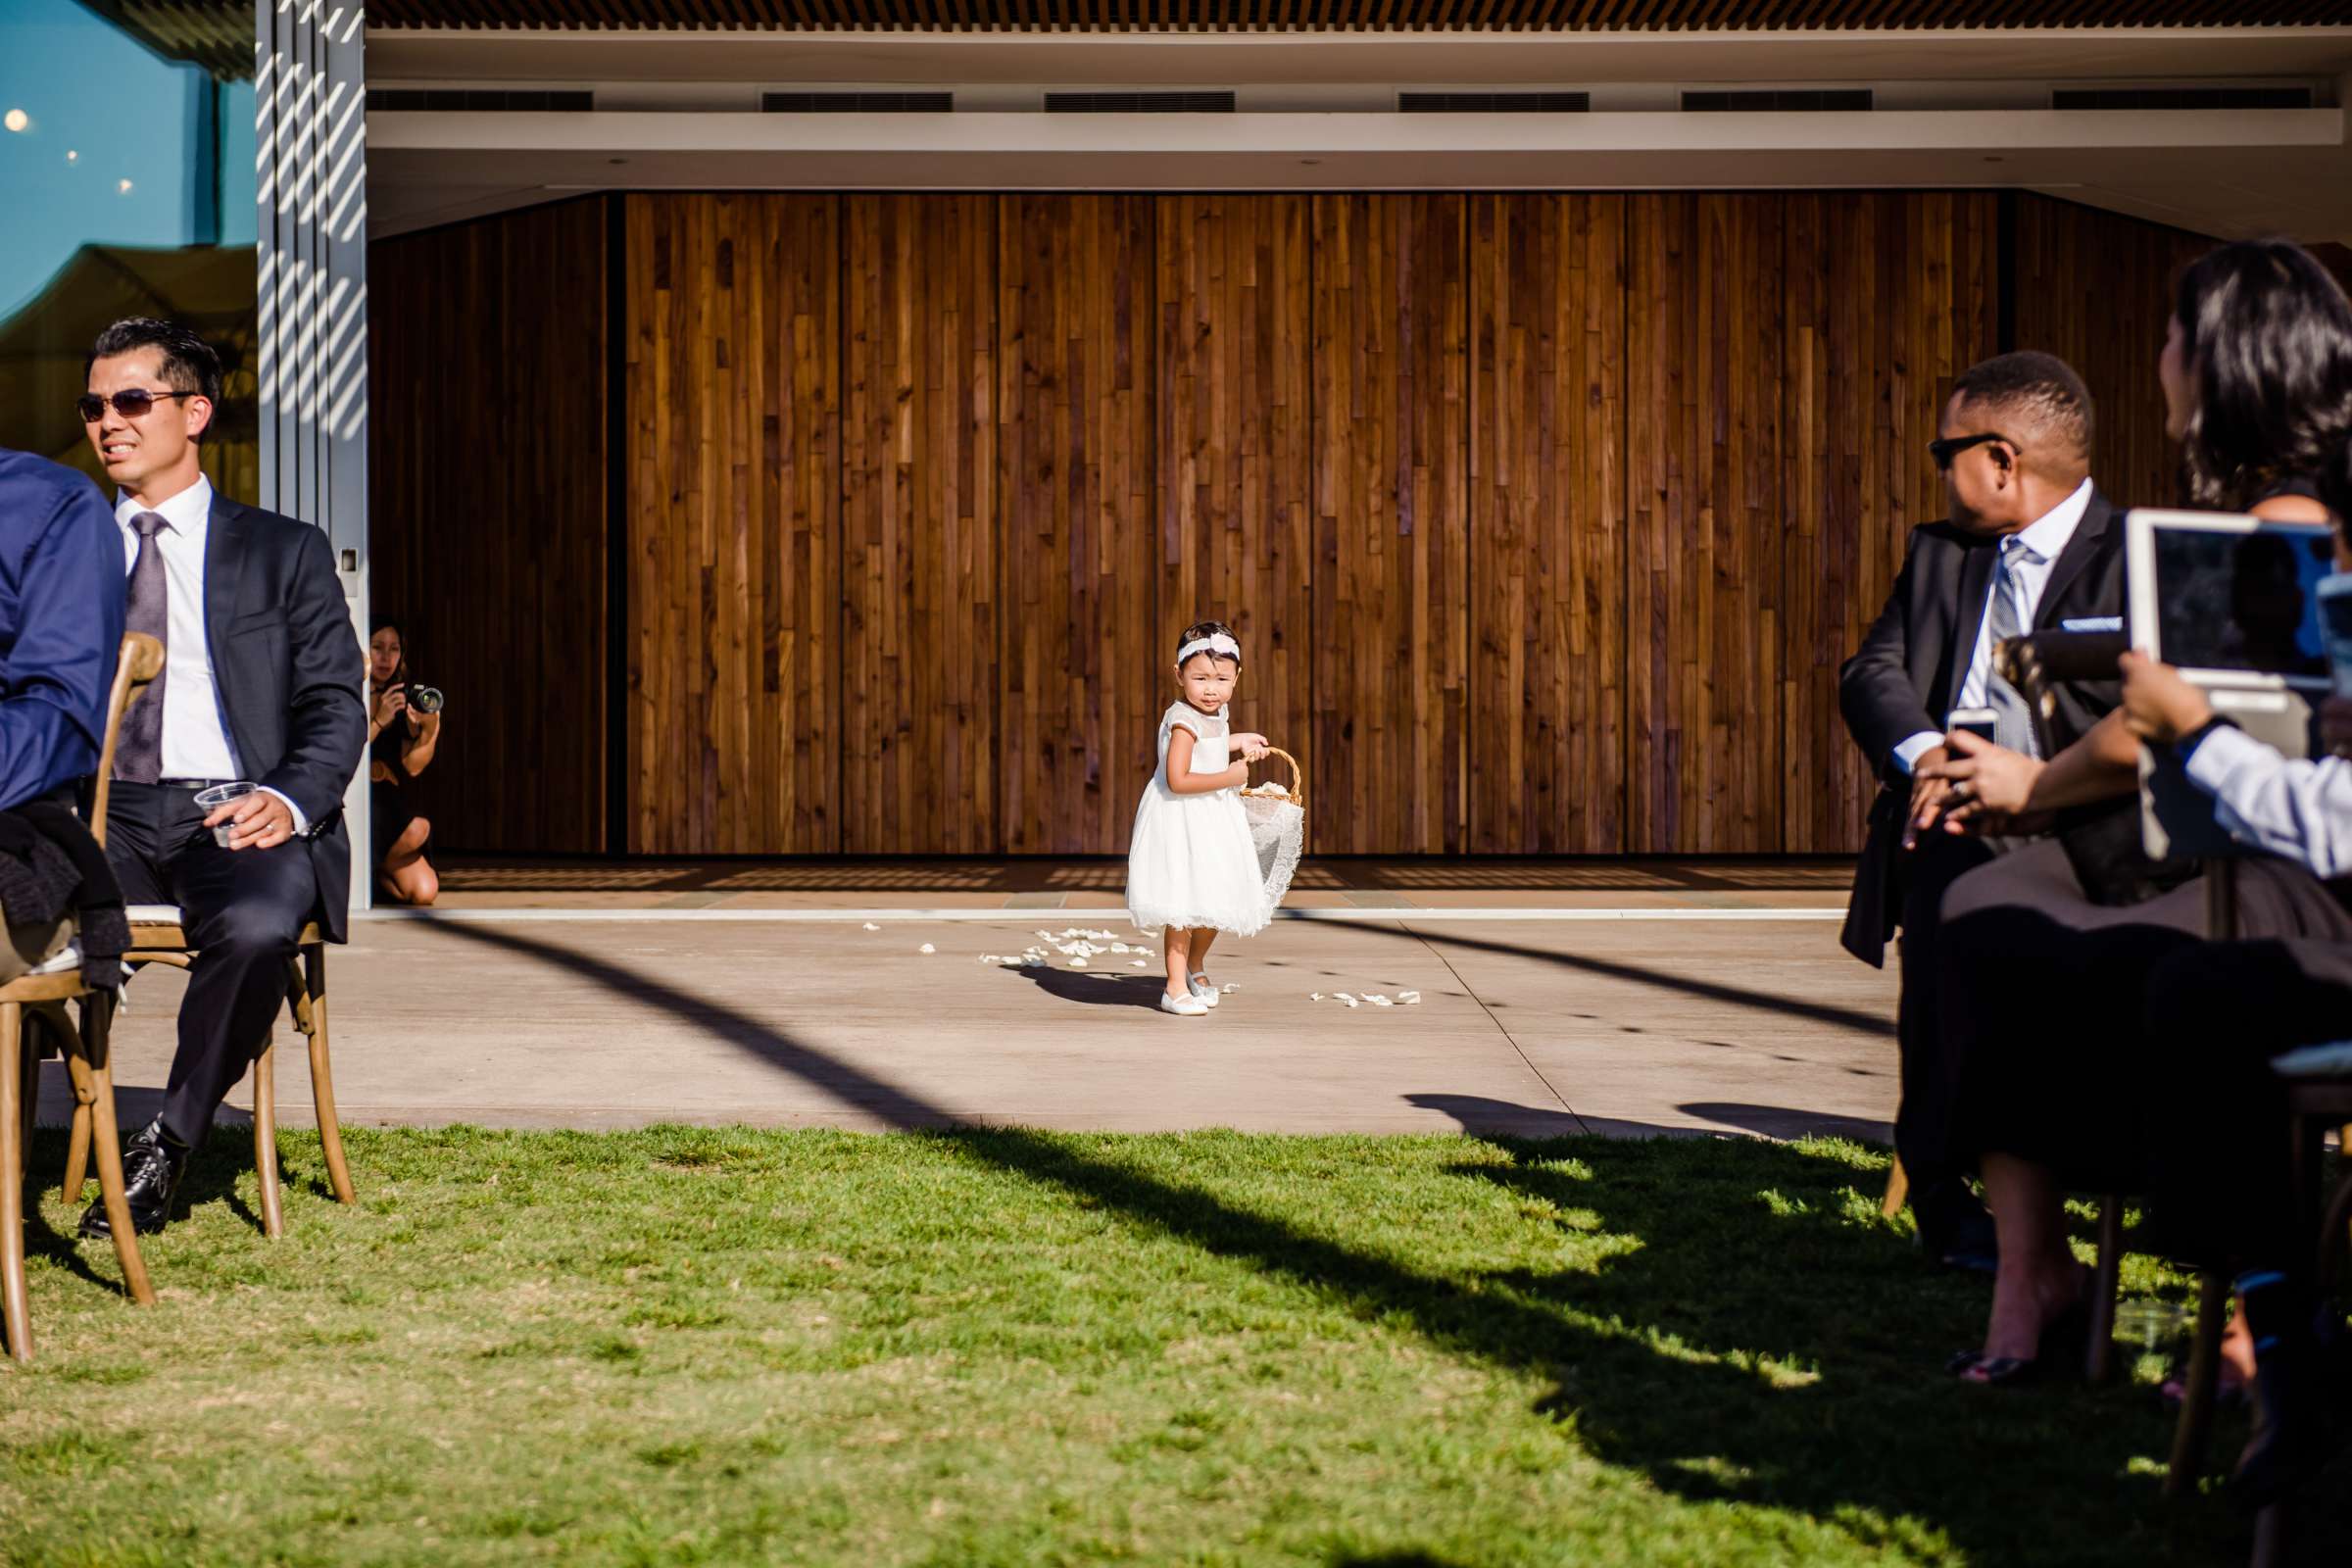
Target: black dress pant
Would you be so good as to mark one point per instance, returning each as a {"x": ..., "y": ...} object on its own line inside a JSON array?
[
  {"x": 1923, "y": 1119},
  {"x": 242, "y": 910}
]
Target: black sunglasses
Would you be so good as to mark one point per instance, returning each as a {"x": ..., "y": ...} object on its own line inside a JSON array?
[
  {"x": 132, "y": 402},
  {"x": 1951, "y": 446}
]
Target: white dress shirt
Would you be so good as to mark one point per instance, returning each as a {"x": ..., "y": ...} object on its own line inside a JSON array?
[
  {"x": 2033, "y": 554},
  {"x": 196, "y": 743},
  {"x": 2299, "y": 809}
]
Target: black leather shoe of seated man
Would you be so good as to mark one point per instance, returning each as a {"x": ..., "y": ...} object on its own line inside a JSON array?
[{"x": 153, "y": 1162}]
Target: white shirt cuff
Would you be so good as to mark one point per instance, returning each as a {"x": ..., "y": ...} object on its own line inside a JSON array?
[
  {"x": 302, "y": 824},
  {"x": 1908, "y": 754},
  {"x": 2222, "y": 749}
]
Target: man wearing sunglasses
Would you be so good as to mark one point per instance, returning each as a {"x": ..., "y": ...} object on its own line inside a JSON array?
[
  {"x": 260, "y": 684},
  {"x": 2029, "y": 544}
]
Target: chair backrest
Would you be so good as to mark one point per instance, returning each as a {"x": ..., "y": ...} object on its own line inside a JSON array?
[{"x": 136, "y": 669}]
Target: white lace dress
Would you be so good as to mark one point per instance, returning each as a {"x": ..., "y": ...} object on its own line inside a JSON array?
[{"x": 1191, "y": 862}]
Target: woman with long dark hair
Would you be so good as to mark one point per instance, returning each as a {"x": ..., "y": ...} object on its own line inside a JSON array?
[{"x": 400, "y": 742}]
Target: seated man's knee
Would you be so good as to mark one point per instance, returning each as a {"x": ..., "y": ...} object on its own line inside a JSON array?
[{"x": 251, "y": 928}]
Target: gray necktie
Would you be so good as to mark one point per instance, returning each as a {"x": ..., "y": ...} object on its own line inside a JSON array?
[
  {"x": 139, "y": 750},
  {"x": 2012, "y": 724}
]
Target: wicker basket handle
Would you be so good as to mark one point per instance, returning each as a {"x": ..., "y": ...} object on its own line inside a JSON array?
[{"x": 1297, "y": 789}]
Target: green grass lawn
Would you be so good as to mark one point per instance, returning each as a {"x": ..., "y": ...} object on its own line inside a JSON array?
[{"x": 716, "y": 1347}]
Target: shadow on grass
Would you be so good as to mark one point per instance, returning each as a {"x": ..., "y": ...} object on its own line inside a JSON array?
[{"x": 1758, "y": 1339}]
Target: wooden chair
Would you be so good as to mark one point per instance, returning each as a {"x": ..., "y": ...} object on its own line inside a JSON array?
[
  {"x": 42, "y": 997},
  {"x": 157, "y": 937}
]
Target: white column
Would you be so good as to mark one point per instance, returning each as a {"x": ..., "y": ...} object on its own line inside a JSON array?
[{"x": 311, "y": 173}]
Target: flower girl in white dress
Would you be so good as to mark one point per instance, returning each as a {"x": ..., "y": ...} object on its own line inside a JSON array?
[{"x": 1192, "y": 869}]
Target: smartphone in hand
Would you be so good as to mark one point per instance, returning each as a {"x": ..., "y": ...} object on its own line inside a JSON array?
[{"x": 1976, "y": 721}]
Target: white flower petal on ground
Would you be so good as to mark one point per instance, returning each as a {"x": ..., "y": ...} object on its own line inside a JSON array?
[
  {"x": 870, "y": 926},
  {"x": 1230, "y": 988},
  {"x": 1077, "y": 964},
  {"x": 1138, "y": 964},
  {"x": 926, "y": 948},
  {"x": 1314, "y": 995},
  {"x": 1350, "y": 1000},
  {"x": 1409, "y": 998},
  {"x": 1344, "y": 996},
  {"x": 1380, "y": 1002},
  {"x": 1118, "y": 947}
]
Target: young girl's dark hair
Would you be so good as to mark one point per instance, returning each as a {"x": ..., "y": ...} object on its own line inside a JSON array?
[
  {"x": 1209, "y": 628},
  {"x": 2268, "y": 334}
]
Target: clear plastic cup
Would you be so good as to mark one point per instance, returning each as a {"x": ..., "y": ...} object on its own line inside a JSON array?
[{"x": 210, "y": 801}]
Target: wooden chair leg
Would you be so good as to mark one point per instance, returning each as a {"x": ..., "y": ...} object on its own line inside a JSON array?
[
  {"x": 1898, "y": 1189},
  {"x": 264, "y": 1140},
  {"x": 310, "y": 990},
  {"x": 2098, "y": 1357},
  {"x": 16, "y": 1318},
  {"x": 2270, "y": 1536},
  {"x": 100, "y": 1082},
  {"x": 2195, "y": 1426},
  {"x": 78, "y": 1148}
]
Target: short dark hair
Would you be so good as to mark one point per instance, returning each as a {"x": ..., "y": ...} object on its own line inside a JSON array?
[
  {"x": 1209, "y": 628},
  {"x": 2267, "y": 333},
  {"x": 190, "y": 363},
  {"x": 2039, "y": 393}
]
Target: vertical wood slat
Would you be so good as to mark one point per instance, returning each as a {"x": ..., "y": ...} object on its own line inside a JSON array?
[
  {"x": 1392, "y": 562},
  {"x": 1704, "y": 582},
  {"x": 1233, "y": 471},
  {"x": 920, "y": 524},
  {"x": 1888, "y": 298},
  {"x": 1546, "y": 752},
  {"x": 2096, "y": 288},
  {"x": 488, "y": 517},
  {"x": 1079, "y": 683},
  {"x": 734, "y": 526}
]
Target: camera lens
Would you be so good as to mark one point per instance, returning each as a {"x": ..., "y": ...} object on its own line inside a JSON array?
[{"x": 426, "y": 699}]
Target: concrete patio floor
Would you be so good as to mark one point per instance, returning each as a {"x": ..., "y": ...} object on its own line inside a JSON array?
[{"x": 1687, "y": 1014}]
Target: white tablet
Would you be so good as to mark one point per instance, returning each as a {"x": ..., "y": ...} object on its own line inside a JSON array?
[{"x": 2230, "y": 601}]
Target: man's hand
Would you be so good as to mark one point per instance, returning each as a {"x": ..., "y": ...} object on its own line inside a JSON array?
[
  {"x": 1927, "y": 795},
  {"x": 2335, "y": 725},
  {"x": 1988, "y": 784},
  {"x": 2158, "y": 705},
  {"x": 257, "y": 821}
]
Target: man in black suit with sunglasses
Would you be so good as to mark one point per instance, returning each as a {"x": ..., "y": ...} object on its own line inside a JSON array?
[
  {"x": 2030, "y": 545},
  {"x": 260, "y": 685}
]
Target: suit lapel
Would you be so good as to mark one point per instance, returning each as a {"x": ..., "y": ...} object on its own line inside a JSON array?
[
  {"x": 1976, "y": 582},
  {"x": 224, "y": 575},
  {"x": 2091, "y": 535}
]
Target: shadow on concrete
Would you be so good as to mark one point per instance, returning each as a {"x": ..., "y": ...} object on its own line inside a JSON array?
[
  {"x": 1745, "y": 1244},
  {"x": 1096, "y": 987},
  {"x": 1502, "y": 1118},
  {"x": 1688, "y": 984}
]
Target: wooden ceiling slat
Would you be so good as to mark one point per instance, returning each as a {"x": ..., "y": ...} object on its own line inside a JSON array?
[{"x": 1222, "y": 16}]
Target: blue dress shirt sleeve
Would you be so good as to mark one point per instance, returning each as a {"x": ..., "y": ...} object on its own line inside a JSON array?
[
  {"x": 61, "y": 625},
  {"x": 2299, "y": 809}
]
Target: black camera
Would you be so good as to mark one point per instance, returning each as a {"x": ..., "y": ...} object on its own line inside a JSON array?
[{"x": 425, "y": 699}]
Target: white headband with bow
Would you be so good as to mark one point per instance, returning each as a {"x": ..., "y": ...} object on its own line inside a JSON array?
[{"x": 1216, "y": 642}]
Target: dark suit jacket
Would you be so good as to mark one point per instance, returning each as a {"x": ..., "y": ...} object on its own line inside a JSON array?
[
  {"x": 287, "y": 661},
  {"x": 1915, "y": 659}
]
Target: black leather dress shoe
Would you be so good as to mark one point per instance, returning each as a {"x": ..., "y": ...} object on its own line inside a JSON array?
[{"x": 153, "y": 1162}]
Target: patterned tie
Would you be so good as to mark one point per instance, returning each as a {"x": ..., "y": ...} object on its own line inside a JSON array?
[
  {"x": 139, "y": 750},
  {"x": 2012, "y": 724}
]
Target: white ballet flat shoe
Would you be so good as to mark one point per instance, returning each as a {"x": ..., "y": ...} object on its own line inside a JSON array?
[
  {"x": 1183, "y": 1006},
  {"x": 1202, "y": 991}
]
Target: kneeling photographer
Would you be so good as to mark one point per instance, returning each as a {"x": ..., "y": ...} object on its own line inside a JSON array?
[{"x": 404, "y": 726}]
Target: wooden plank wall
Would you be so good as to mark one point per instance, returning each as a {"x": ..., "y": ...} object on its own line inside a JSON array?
[
  {"x": 1079, "y": 682},
  {"x": 2096, "y": 288},
  {"x": 1390, "y": 586},
  {"x": 1899, "y": 300},
  {"x": 919, "y": 592},
  {"x": 486, "y": 495},
  {"x": 1547, "y": 758},
  {"x": 734, "y": 523},
  {"x": 1546, "y": 519},
  {"x": 1703, "y": 584}
]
